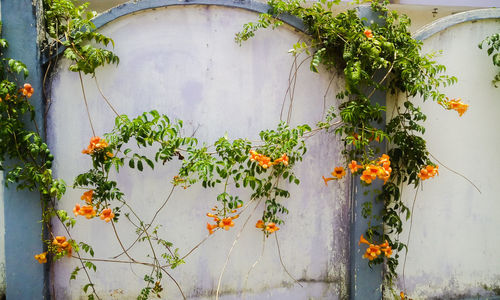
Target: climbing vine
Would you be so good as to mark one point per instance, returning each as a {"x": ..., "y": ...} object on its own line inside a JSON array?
[
  {"x": 375, "y": 57},
  {"x": 70, "y": 26},
  {"x": 378, "y": 56},
  {"x": 230, "y": 162},
  {"x": 493, "y": 44}
]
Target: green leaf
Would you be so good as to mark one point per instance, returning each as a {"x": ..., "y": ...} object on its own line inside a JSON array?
[
  {"x": 86, "y": 287},
  {"x": 74, "y": 273}
]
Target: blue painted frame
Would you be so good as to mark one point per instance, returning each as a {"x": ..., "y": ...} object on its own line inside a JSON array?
[
  {"x": 449, "y": 21},
  {"x": 25, "y": 277},
  {"x": 365, "y": 282},
  {"x": 131, "y": 7},
  {"x": 134, "y": 7}
]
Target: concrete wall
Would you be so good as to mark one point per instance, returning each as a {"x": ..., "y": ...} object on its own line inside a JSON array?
[
  {"x": 2, "y": 241},
  {"x": 183, "y": 62},
  {"x": 454, "y": 240}
]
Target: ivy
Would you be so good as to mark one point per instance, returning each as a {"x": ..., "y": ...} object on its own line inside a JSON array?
[
  {"x": 493, "y": 50},
  {"x": 70, "y": 26}
]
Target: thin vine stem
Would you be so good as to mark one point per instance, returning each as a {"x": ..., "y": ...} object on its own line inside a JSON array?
[
  {"x": 86, "y": 104},
  {"x": 175, "y": 281},
  {"x": 150, "y": 223},
  {"x": 77, "y": 253},
  {"x": 409, "y": 235},
  {"x": 120, "y": 242},
  {"x": 253, "y": 265},
  {"x": 281, "y": 261},
  {"x": 104, "y": 97},
  {"x": 459, "y": 174},
  {"x": 385, "y": 76},
  {"x": 118, "y": 261},
  {"x": 232, "y": 248},
  {"x": 326, "y": 94},
  {"x": 290, "y": 77},
  {"x": 292, "y": 91}
]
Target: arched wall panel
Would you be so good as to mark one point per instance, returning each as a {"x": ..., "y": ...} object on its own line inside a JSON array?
[
  {"x": 183, "y": 61},
  {"x": 454, "y": 238}
]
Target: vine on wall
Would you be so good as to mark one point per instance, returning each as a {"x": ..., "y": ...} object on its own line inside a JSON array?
[
  {"x": 375, "y": 57},
  {"x": 493, "y": 44}
]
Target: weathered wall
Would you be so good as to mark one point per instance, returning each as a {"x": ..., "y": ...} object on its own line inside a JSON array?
[
  {"x": 183, "y": 62},
  {"x": 2, "y": 242},
  {"x": 454, "y": 238}
]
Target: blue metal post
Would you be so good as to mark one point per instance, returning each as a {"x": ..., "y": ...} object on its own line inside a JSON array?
[
  {"x": 365, "y": 282},
  {"x": 25, "y": 277}
]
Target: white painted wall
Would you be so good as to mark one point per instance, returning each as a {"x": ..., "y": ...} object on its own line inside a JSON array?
[
  {"x": 191, "y": 68},
  {"x": 454, "y": 241},
  {"x": 2, "y": 239},
  {"x": 183, "y": 62}
]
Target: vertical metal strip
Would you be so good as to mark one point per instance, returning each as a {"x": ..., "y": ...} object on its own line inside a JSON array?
[{"x": 25, "y": 277}]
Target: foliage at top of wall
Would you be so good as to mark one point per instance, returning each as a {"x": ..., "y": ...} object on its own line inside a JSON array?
[
  {"x": 71, "y": 26},
  {"x": 493, "y": 44},
  {"x": 24, "y": 157}
]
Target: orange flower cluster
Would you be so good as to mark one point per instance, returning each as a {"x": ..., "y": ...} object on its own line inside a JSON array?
[
  {"x": 27, "y": 90},
  {"x": 269, "y": 227},
  {"x": 96, "y": 144},
  {"x": 381, "y": 169},
  {"x": 458, "y": 105},
  {"x": 354, "y": 166},
  {"x": 355, "y": 139},
  {"x": 177, "y": 180},
  {"x": 87, "y": 210},
  {"x": 338, "y": 173},
  {"x": 42, "y": 257},
  {"x": 211, "y": 227},
  {"x": 368, "y": 33},
  {"x": 428, "y": 172},
  {"x": 107, "y": 215},
  {"x": 7, "y": 97},
  {"x": 220, "y": 222},
  {"x": 373, "y": 251},
  {"x": 62, "y": 245},
  {"x": 265, "y": 161},
  {"x": 87, "y": 196}
]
